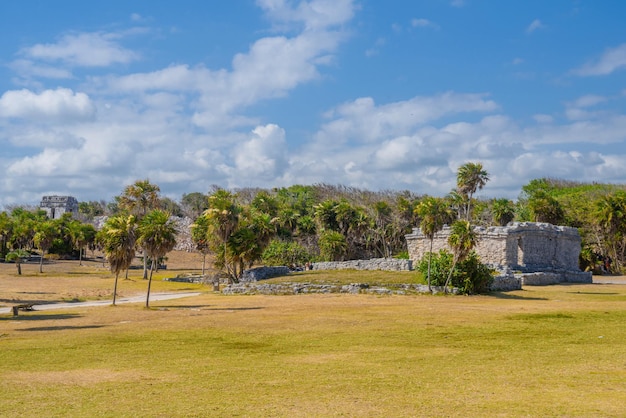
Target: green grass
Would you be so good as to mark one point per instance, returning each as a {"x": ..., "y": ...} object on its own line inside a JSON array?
[
  {"x": 544, "y": 351},
  {"x": 343, "y": 277}
]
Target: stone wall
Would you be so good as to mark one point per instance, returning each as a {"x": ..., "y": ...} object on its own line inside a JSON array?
[
  {"x": 262, "y": 273},
  {"x": 386, "y": 264},
  {"x": 308, "y": 288},
  {"x": 527, "y": 247}
]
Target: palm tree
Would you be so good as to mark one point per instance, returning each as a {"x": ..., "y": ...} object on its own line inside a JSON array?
[
  {"x": 333, "y": 245},
  {"x": 157, "y": 235},
  {"x": 118, "y": 238},
  {"x": 503, "y": 211},
  {"x": 199, "y": 232},
  {"x": 17, "y": 256},
  {"x": 138, "y": 198},
  {"x": 462, "y": 240},
  {"x": 469, "y": 178},
  {"x": 80, "y": 234},
  {"x": 545, "y": 208},
  {"x": 46, "y": 233},
  {"x": 610, "y": 215},
  {"x": 223, "y": 220},
  {"x": 434, "y": 213},
  {"x": 6, "y": 228}
]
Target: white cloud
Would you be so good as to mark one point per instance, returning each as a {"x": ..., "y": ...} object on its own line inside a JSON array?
[
  {"x": 540, "y": 118},
  {"x": 457, "y": 3},
  {"x": 363, "y": 121},
  {"x": 423, "y": 23},
  {"x": 61, "y": 104},
  {"x": 613, "y": 59},
  {"x": 314, "y": 14},
  {"x": 83, "y": 49},
  {"x": 535, "y": 25},
  {"x": 262, "y": 158},
  {"x": 589, "y": 100}
]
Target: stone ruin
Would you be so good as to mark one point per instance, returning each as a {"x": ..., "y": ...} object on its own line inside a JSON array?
[
  {"x": 524, "y": 253},
  {"x": 56, "y": 206}
]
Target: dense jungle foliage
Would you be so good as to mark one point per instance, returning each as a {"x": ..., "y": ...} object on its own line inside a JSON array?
[{"x": 329, "y": 222}]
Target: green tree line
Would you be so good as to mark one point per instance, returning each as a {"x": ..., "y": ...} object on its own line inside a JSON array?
[{"x": 303, "y": 223}]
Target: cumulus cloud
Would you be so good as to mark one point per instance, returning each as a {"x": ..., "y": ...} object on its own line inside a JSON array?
[
  {"x": 263, "y": 157},
  {"x": 613, "y": 59},
  {"x": 363, "y": 121},
  {"x": 60, "y": 104}
]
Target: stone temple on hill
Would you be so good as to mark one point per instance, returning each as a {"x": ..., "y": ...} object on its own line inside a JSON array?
[{"x": 56, "y": 206}]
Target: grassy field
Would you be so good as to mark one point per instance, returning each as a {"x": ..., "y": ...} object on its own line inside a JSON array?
[{"x": 543, "y": 351}]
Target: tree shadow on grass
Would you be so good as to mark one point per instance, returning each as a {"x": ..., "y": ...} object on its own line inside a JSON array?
[
  {"x": 60, "y": 328},
  {"x": 504, "y": 295},
  {"x": 207, "y": 307},
  {"x": 38, "y": 317},
  {"x": 595, "y": 293}
]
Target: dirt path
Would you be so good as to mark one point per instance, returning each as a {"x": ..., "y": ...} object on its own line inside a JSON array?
[{"x": 133, "y": 299}]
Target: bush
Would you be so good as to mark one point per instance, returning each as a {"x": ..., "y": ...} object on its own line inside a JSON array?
[
  {"x": 284, "y": 253},
  {"x": 469, "y": 276},
  {"x": 333, "y": 246},
  {"x": 402, "y": 255}
]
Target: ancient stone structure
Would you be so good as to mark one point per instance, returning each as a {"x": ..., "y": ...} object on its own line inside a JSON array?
[
  {"x": 538, "y": 253},
  {"x": 254, "y": 288},
  {"x": 56, "y": 206},
  {"x": 386, "y": 264},
  {"x": 262, "y": 273}
]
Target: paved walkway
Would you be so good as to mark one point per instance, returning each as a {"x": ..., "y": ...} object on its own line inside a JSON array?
[{"x": 134, "y": 299}]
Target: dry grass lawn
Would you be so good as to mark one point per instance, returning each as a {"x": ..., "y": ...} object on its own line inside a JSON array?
[{"x": 543, "y": 351}]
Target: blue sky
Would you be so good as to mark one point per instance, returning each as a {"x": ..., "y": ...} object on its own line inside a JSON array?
[{"x": 269, "y": 93}]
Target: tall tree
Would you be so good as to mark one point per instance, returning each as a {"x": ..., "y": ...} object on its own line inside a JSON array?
[
  {"x": 17, "y": 256},
  {"x": 80, "y": 234},
  {"x": 199, "y": 236},
  {"x": 610, "y": 216},
  {"x": 157, "y": 234},
  {"x": 433, "y": 213},
  {"x": 545, "y": 208},
  {"x": 6, "y": 228},
  {"x": 462, "y": 240},
  {"x": 139, "y": 198},
  {"x": 223, "y": 218},
  {"x": 118, "y": 239},
  {"x": 502, "y": 211},
  {"x": 470, "y": 177},
  {"x": 45, "y": 234}
]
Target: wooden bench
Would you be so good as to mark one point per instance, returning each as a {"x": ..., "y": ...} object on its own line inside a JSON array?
[{"x": 24, "y": 307}]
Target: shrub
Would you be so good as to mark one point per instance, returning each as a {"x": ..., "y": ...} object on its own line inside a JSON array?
[
  {"x": 469, "y": 276},
  {"x": 284, "y": 253},
  {"x": 402, "y": 255},
  {"x": 333, "y": 246}
]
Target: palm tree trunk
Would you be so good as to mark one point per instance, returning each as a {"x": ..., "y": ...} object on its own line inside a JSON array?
[
  {"x": 203, "y": 262},
  {"x": 430, "y": 256},
  {"x": 145, "y": 265},
  {"x": 41, "y": 261},
  {"x": 149, "y": 284},
  {"x": 80, "y": 256},
  {"x": 115, "y": 288},
  {"x": 19, "y": 268},
  {"x": 445, "y": 286}
]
